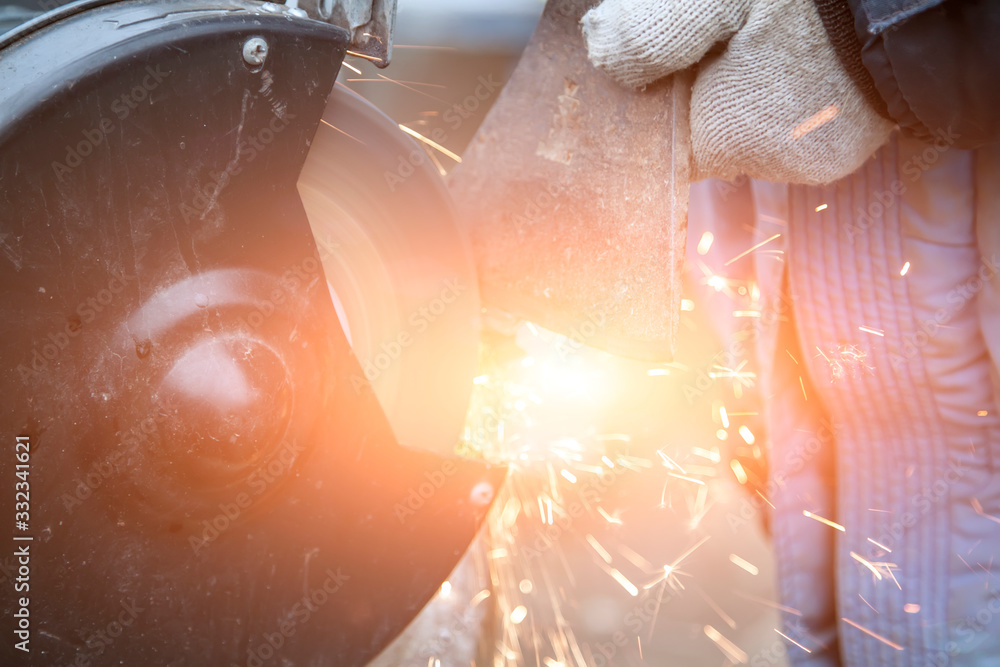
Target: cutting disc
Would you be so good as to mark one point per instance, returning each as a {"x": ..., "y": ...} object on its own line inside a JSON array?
[
  {"x": 208, "y": 476},
  {"x": 399, "y": 270}
]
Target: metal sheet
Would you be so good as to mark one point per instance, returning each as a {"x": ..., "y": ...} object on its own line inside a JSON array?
[{"x": 575, "y": 195}]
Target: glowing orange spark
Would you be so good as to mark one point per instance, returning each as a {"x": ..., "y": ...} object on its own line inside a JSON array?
[
  {"x": 809, "y": 514},
  {"x": 731, "y": 650},
  {"x": 433, "y": 144},
  {"x": 744, "y": 564},
  {"x": 752, "y": 248},
  {"x": 342, "y": 132},
  {"x": 792, "y": 640},
  {"x": 872, "y": 634},
  {"x": 880, "y": 546}
]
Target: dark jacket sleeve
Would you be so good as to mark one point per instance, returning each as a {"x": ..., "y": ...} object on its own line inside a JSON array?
[{"x": 931, "y": 66}]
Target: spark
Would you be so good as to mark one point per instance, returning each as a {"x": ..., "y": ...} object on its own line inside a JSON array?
[
  {"x": 982, "y": 413},
  {"x": 717, "y": 609},
  {"x": 880, "y": 546},
  {"x": 752, "y": 248},
  {"x": 608, "y": 462},
  {"x": 568, "y": 475},
  {"x": 479, "y": 597},
  {"x": 764, "y": 498},
  {"x": 746, "y": 313},
  {"x": 741, "y": 474},
  {"x": 653, "y": 372},
  {"x": 342, "y": 132},
  {"x": 821, "y": 207},
  {"x": 610, "y": 519},
  {"x": 718, "y": 283},
  {"x": 634, "y": 558},
  {"x": 446, "y": 589},
  {"x": 809, "y": 514},
  {"x": 872, "y": 634},
  {"x": 978, "y": 507},
  {"x": 364, "y": 56},
  {"x": 721, "y": 434},
  {"x": 768, "y": 603},
  {"x": 792, "y": 640},
  {"x": 911, "y": 608},
  {"x": 687, "y": 305},
  {"x": 744, "y": 564},
  {"x": 601, "y": 551},
  {"x": 803, "y": 385},
  {"x": 351, "y": 67},
  {"x": 669, "y": 462},
  {"x": 384, "y": 79},
  {"x": 670, "y": 570},
  {"x": 712, "y": 455},
  {"x": 816, "y": 121},
  {"x": 526, "y": 586},
  {"x": 686, "y": 478},
  {"x": 625, "y": 583},
  {"x": 519, "y": 613},
  {"x": 867, "y": 603},
  {"x": 741, "y": 378},
  {"x": 432, "y": 144},
  {"x": 868, "y": 564},
  {"x": 877, "y": 332},
  {"x": 724, "y": 416},
  {"x": 729, "y": 649},
  {"x": 747, "y": 435},
  {"x": 481, "y": 379},
  {"x": 705, "y": 243},
  {"x": 903, "y": 271}
]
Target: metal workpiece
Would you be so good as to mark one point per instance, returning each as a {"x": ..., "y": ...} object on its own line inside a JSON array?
[{"x": 370, "y": 23}]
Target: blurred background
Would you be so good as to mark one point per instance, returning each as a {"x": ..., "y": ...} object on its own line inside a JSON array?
[{"x": 632, "y": 530}]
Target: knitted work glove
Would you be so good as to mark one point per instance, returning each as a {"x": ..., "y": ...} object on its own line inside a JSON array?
[{"x": 775, "y": 103}]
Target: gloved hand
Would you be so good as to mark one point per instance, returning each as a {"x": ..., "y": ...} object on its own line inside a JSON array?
[{"x": 775, "y": 103}]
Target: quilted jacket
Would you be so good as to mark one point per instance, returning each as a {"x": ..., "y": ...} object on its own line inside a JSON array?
[{"x": 885, "y": 300}]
